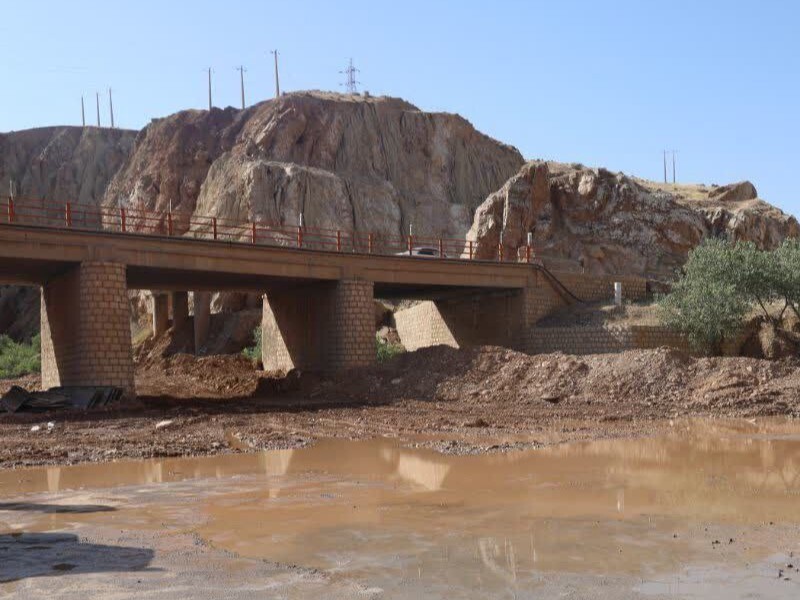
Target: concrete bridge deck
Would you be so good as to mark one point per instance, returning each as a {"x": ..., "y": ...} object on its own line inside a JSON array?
[{"x": 33, "y": 255}]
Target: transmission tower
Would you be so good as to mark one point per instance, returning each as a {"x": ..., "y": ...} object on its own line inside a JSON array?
[{"x": 350, "y": 84}]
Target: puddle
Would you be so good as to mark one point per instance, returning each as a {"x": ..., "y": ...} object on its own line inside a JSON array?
[{"x": 390, "y": 514}]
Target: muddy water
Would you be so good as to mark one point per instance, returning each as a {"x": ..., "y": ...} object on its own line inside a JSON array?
[{"x": 389, "y": 515}]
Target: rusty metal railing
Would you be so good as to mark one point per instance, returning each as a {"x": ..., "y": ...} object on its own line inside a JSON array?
[{"x": 126, "y": 220}]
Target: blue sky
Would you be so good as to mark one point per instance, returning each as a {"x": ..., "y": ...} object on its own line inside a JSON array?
[{"x": 603, "y": 83}]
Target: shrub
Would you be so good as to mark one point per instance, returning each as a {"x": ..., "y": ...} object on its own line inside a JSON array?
[
  {"x": 386, "y": 351},
  {"x": 254, "y": 351},
  {"x": 18, "y": 359}
]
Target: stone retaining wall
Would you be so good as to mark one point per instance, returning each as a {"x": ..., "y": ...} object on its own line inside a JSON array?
[{"x": 604, "y": 340}]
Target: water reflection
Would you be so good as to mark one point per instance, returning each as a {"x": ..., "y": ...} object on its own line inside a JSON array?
[{"x": 375, "y": 507}]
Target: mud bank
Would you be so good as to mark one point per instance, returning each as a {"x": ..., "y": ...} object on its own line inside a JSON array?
[{"x": 457, "y": 401}]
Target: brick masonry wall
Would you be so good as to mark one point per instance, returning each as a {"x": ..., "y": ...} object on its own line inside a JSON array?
[
  {"x": 504, "y": 319},
  {"x": 86, "y": 335},
  {"x": 483, "y": 318},
  {"x": 351, "y": 338},
  {"x": 604, "y": 340},
  {"x": 324, "y": 326}
]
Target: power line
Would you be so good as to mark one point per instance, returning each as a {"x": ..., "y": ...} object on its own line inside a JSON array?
[{"x": 350, "y": 84}]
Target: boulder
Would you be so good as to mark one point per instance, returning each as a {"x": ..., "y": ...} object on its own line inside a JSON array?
[{"x": 734, "y": 192}]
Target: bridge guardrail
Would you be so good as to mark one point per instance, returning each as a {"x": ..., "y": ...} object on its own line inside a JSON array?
[{"x": 69, "y": 215}]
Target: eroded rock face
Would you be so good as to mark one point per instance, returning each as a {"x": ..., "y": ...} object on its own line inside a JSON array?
[
  {"x": 510, "y": 213},
  {"x": 346, "y": 162},
  {"x": 65, "y": 164},
  {"x": 610, "y": 223},
  {"x": 71, "y": 164}
]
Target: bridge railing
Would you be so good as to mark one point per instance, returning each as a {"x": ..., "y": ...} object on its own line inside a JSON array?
[{"x": 70, "y": 215}]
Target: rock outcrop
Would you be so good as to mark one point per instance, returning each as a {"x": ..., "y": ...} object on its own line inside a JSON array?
[
  {"x": 370, "y": 164},
  {"x": 63, "y": 163},
  {"x": 610, "y": 223},
  {"x": 72, "y": 164},
  {"x": 378, "y": 165}
]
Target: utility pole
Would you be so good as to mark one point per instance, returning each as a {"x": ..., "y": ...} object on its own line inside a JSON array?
[
  {"x": 665, "y": 166},
  {"x": 674, "y": 152},
  {"x": 350, "y": 84},
  {"x": 111, "y": 107},
  {"x": 241, "y": 70},
  {"x": 83, "y": 113},
  {"x": 209, "y": 88},
  {"x": 277, "y": 81},
  {"x": 97, "y": 99}
]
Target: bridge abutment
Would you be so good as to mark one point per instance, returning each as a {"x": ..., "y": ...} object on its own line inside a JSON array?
[
  {"x": 321, "y": 327},
  {"x": 85, "y": 328},
  {"x": 497, "y": 318}
]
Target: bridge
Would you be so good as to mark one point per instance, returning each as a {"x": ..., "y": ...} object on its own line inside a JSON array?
[{"x": 318, "y": 286}]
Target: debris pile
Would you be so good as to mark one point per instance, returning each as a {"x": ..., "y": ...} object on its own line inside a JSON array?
[{"x": 18, "y": 399}]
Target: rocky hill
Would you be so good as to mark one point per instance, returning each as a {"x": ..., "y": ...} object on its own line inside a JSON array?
[
  {"x": 612, "y": 223},
  {"x": 378, "y": 164},
  {"x": 63, "y": 163},
  {"x": 346, "y": 162}
]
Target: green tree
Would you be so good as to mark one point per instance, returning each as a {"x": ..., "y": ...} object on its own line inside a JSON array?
[
  {"x": 707, "y": 303},
  {"x": 787, "y": 261}
]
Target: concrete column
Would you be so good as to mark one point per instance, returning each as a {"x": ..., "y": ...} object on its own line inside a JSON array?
[
  {"x": 319, "y": 327},
  {"x": 160, "y": 313},
  {"x": 86, "y": 332},
  {"x": 202, "y": 319},
  {"x": 180, "y": 308}
]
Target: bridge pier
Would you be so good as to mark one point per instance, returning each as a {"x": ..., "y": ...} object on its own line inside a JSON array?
[
  {"x": 85, "y": 328},
  {"x": 325, "y": 326},
  {"x": 180, "y": 308},
  {"x": 202, "y": 319},
  {"x": 160, "y": 313}
]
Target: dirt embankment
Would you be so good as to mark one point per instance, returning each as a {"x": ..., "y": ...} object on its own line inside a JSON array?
[{"x": 456, "y": 400}]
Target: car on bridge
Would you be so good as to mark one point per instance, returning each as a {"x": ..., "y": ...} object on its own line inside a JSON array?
[{"x": 423, "y": 252}]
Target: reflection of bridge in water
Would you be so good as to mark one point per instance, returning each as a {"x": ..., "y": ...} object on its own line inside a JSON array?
[{"x": 505, "y": 514}]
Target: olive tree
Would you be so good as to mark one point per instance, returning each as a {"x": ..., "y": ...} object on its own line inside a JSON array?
[
  {"x": 707, "y": 302},
  {"x": 787, "y": 261}
]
